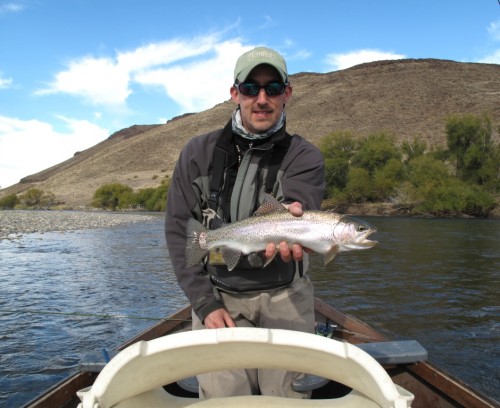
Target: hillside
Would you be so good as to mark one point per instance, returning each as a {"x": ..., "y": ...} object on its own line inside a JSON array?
[{"x": 407, "y": 98}]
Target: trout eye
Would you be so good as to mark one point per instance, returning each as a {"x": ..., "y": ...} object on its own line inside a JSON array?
[{"x": 361, "y": 228}]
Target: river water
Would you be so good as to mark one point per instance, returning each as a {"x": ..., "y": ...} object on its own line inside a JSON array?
[{"x": 63, "y": 295}]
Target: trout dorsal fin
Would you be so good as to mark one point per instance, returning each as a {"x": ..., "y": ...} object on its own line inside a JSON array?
[{"x": 269, "y": 205}]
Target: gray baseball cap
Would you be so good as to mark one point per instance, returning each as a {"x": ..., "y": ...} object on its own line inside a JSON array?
[{"x": 260, "y": 55}]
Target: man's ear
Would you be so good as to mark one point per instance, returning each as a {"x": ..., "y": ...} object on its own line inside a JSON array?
[{"x": 235, "y": 95}]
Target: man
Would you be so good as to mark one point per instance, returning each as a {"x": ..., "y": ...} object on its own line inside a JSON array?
[{"x": 224, "y": 175}]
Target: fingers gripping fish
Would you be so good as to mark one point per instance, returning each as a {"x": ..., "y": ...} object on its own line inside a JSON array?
[{"x": 324, "y": 232}]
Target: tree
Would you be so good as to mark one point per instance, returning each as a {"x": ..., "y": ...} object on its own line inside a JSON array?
[
  {"x": 469, "y": 144},
  {"x": 338, "y": 149},
  {"x": 490, "y": 171},
  {"x": 412, "y": 149},
  {"x": 375, "y": 151},
  {"x": 387, "y": 178},
  {"x": 359, "y": 185}
]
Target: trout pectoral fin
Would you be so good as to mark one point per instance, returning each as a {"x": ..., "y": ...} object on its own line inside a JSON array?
[
  {"x": 231, "y": 257},
  {"x": 270, "y": 259},
  {"x": 332, "y": 253}
]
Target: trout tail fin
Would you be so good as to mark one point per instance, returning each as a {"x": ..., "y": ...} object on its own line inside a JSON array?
[{"x": 195, "y": 250}]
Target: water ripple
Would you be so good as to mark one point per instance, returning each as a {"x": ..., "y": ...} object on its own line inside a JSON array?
[{"x": 65, "y": 294}]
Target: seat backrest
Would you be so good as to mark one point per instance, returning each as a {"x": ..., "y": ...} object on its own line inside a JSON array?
[{"x": 151, "y": 364}]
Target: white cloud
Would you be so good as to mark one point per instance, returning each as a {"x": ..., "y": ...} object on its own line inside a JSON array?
[
  {"x": 493, "y": 58},
  {"x": 200, "y": 84},
  {"x": 5, "y": 82},
  {"x": 11, "y": 8},
  {"x": 41, "y": 145},
  {"x": 99, "y": 81},
  {"x": 494, "y": 30},
  {"x": 349, "y": 59},
  {"x": 196, "y": 74}
]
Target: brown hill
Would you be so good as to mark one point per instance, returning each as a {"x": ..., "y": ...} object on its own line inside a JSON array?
[{"x": 407, "y": 98}]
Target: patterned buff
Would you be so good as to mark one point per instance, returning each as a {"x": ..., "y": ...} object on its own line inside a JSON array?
[{"x": 240, "y": 130}]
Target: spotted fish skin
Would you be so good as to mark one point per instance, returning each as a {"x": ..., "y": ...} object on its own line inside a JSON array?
[{"x": 324, "y": 232}]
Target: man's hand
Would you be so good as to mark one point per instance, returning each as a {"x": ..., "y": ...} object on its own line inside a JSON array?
[
  {"x": 296, "y": 252},
  {"x": 218, "y": 319}
]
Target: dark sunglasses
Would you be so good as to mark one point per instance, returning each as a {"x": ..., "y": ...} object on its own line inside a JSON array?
[{"x": 271, "y": 89}]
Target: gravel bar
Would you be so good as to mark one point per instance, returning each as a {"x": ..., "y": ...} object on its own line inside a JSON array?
[{"x": 15, "y": 223}]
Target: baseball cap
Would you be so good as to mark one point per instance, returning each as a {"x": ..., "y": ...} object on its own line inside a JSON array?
[{"x": 260, "y": 55}]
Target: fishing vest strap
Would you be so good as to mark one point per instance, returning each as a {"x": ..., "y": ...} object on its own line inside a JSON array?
[
  {"x": 219, "y": 161},
  {"x": 275, "y": 161},
  {"x": 216, "y": 181}
]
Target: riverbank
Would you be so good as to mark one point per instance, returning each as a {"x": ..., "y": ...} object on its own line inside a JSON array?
[
  {"x": 392, "y": 210},
  {"x": 15, "y": 223}
]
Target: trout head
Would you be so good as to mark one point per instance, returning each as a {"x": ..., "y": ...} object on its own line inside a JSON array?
[{"x": 352, "y": 234}]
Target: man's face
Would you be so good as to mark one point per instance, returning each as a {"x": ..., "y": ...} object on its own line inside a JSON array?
[{"x": 259, "y": 113}]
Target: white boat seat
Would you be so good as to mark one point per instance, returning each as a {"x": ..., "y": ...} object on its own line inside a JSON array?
[
  {"x": 385, "y": 352},
  {"x": 135, "y": 376}
]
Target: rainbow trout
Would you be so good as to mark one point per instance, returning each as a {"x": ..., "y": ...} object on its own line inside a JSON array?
[{"x": 324, "y": 232}]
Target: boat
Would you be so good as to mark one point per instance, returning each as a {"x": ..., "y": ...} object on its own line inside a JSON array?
[{"x": 429, "y": 385}]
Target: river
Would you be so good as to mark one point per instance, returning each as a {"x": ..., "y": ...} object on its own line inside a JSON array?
[{"x": 65, "y": 294}]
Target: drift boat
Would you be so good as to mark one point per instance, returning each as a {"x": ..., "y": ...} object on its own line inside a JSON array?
[{"x": 375, "y": 372}]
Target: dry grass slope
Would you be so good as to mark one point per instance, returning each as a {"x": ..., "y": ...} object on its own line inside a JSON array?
[{"x": 407, "y": 98}]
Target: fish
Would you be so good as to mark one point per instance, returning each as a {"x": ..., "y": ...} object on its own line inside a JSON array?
[{"x": 325, "y": 232}]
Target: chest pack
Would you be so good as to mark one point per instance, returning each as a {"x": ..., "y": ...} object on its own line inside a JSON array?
[{"x": 221, "y": 163}]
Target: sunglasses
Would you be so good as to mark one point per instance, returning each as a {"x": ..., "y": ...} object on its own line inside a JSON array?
[{"x": 271, "y": 89}]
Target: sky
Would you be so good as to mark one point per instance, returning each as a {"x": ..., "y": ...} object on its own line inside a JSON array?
[{"x": 72, "y": 72}]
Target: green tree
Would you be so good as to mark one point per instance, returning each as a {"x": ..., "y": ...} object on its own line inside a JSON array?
[
  {"x": 469, "y": 144},
  {"x": 375, "y": 151},
  {"x": 387, "y": 179},
  {"x": 359, "y": 185},
  {"x": 490, "y": 171},
  {"x": 338, "y": 149},
  {"x": 413, "y": 149}
]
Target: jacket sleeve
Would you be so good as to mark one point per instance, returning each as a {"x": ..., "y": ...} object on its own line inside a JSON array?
[
  {"x": 303, "y": 179},
  {"x": 183, "y": 202}
]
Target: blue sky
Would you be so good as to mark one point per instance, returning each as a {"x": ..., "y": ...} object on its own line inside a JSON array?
[{"x": 72, "y": 72}]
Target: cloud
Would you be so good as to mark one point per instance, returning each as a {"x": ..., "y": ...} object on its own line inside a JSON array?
[
  {"x": 11, "y": 8},
  {"x": 493, "y": 58},
  {"x": 196, "y": 73},
  {"x": 5, "y": 82},
  {"x": 41, "y": 145},
  {"x": 99, "y": 81},
  {"x": 494, "y": 30},
  {"x": 343, "y": 61},
  {"x": 200, "y": 84}
]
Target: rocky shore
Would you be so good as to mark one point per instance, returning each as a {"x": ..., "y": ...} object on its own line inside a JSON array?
[{"x": 15, "y": 223}]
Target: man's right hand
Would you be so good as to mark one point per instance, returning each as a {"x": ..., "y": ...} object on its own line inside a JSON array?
[{"x": 218, "y": 319}]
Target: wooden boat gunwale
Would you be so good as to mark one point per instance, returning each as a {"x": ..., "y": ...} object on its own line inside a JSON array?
[{"x": 427, "y": 381}]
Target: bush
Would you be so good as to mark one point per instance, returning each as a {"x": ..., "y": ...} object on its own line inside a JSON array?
[
  {"x": 36, "y": 198},
  {"x": 9, "y": 202},
  {"x": 111, "y": 196},
  {"x": 118, "y": 196},
  {"x": 457, "y": 198}
]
